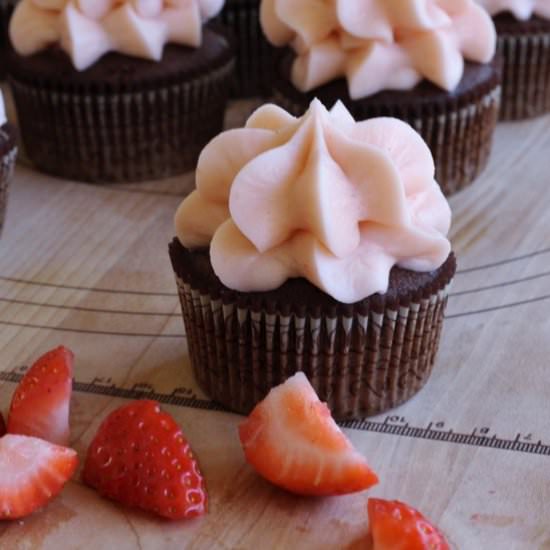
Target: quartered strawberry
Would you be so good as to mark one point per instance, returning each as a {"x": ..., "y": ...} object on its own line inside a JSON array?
[
  {"x": 139, "y": 457},
  {"x": 291, "y": 439},
  {"x": 40, "y": 404},
  {"x": 396, "y": 526},
  {"x": 32, "y": 472}
]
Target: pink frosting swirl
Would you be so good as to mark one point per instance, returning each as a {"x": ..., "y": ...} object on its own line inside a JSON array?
[
  {"x": 521, "y": 9},
  {"x": 88, "y": 29},
  {"x": 321, "y": 197},
  {"x": 379, "y": 44}
]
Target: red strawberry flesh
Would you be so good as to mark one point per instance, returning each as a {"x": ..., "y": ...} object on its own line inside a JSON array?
[
  {"x": 140, "y": 457},
  {"x": 395, "y": 525},
  {"x": 291, "y": 440},
  {"x": 32, "y": 472},
  {"x": 40, "y": 404}
]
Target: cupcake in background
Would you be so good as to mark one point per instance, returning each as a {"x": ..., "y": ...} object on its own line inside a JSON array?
[
  {"x": 118, "y": 90},
  {"x": 6, "y": 9},
  {"x": 8, "y": 155},
  {"x": 523, "y": 28},
  {"x": 427, "y": 62},
  {"x": 254, "y": 54},
  {"x": 316, "y": 244}
]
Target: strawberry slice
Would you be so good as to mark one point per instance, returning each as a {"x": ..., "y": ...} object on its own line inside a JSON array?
[
  {"x": 139, "y": 457},
  {"x": 291, "y": 439},
  {"x": 40, "y": 404},
  {"x": 395, "y": 525},
  {"x": 32, "y": 472}
]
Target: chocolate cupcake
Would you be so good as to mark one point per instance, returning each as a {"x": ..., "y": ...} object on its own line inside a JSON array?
[
  {"x": 6, "y": 9},
  {"x": 254, "y": 54},
  {"x": 523, "y": 29},
  {"x": 319, "y": 245},
  {"x": 112, "y": 92},
  {"x": 8, "y": 155},
  {"x": 428, "y": 63}
]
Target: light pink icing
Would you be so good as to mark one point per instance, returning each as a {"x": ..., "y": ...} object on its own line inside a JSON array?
[
  {"x": 321, "y": 197},
  {"x": 521, "y": 9},
  {"x": 88, "y": 29},
  {"x": 379, "y": 44}
]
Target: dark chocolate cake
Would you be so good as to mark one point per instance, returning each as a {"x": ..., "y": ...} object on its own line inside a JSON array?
[
  {"x": 361, "y": 358},
  {"x": 525, "y": 49},
  {"x": 124, "y": 118},
  {"x": 457, "y": 126},
  {"x": 254, "y": 70}
]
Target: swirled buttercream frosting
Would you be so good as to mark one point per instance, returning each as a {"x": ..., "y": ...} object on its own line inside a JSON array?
[
  {"x": 379, "y": 44},
  {"x": 520, "y": 9},
  {"x": 323, "y": 197},
  {"x": 88, "y": 29}
]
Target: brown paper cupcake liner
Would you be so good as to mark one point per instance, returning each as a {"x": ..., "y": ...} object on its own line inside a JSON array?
[
  {"x": 255, "y": 55},
  {"x": 459, "y": 137},
  {"x": 525, "y": 75},
  {"x": 109, "y": 136},
  {"x": 8, "y": 155},
  {"x": 360, "y": 361}
]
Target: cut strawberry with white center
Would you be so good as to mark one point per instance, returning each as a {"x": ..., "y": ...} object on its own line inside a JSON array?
[
  {"x": 32, "y": 472},
  {"x": 140, "y": 457},
  {"x": 395, "y": 525},
  {"x": 40, "y": 404},
  {"x": 291, "y": 439}
]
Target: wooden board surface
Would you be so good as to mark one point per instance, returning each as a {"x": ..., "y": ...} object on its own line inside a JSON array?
[{"x": 87, "y": 266}]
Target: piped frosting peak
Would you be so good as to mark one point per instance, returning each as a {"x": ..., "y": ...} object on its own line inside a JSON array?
[
  {"x": 323, "y": 197},
  {"x": 88, "y": 29},
  {"x": 379, "y": 44}
]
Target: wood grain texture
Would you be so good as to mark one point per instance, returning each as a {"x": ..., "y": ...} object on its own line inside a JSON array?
[{"x": 87, "y": 266}]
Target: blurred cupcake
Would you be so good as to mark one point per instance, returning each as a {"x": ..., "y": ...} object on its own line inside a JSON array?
[
  {"x": 8, "y": 154},
  {"x": 118, "y": 90},
  {"x": 6, "y": 9},
  {"x": 427, "y": 62},
  {"x": 315, "y": 244},
  {"x": 254, "y": 63},
  {"x": 523, "y": 28}
]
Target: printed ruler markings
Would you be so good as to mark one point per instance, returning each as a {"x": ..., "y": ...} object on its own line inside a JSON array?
[
  {"x": 479, "y": 437},
  {"x": 151, "y": 335},
  {"x": 94, "y": 332},
  {"x": 506, "y": 261},
  {"x": 498, "y": 308},
  {"x": 168, "y": 314},
  {"x": 86, "y": 288},
  {"x": 500, "y": 285},
  {"x": 89, "y": 309},
  {"x": 145, "y": 293},
  {"x": 391, "y": 425}
]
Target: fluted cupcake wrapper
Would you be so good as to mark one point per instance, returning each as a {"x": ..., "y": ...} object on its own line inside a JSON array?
[
  {"x": 459, "y": 136},
  {"x": 525, "y": 76},
  {"x": 7, "y": 165},
  {"x": 362, "y": 364},
  {"x": 112, "y": 136},
  {"x": 255, "y": 56}
]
